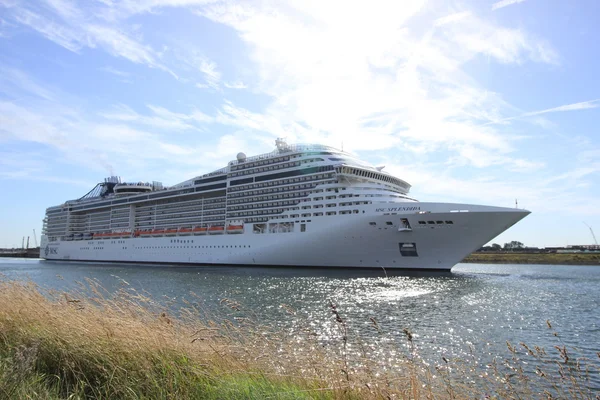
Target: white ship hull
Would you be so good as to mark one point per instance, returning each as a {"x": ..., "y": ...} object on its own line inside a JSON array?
[{"x": 372, "y": 238}]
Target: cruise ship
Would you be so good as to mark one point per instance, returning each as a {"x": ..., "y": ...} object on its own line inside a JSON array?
[{"x": 300, "y": 205}]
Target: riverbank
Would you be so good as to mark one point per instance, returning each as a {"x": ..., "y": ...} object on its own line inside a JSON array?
[
  {"x": 125, "y": 345},
  {"x": 534, "y": 258},
  {"x": 21, "y": 253}
]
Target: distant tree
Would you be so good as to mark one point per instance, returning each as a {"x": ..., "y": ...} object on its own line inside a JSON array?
[
  {"x": 496, "y": 247},
  {"x": 512, "y": 246}
]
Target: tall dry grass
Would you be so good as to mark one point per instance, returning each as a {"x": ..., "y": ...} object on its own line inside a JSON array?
[{"x": 125, "y": 345}]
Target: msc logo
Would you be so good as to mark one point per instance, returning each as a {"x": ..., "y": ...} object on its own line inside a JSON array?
[{"x": 50, "y": 250}]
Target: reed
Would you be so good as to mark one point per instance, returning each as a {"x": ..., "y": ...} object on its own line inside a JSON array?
[{"x": 126, "y": 345}]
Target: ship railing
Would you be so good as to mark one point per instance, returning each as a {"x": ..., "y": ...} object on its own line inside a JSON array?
[
  {"x": 286, "y": 149},
  {"x": 255, "y": 158},
  {"x": 217, "y": 172},
  {"x": 309, "y": 147},
  {"x": 370, "y": 175}
]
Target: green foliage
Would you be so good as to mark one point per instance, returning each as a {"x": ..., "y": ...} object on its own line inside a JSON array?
[{"x": 513, "y": 245}]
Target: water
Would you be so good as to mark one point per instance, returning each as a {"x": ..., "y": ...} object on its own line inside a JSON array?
[{"x": 469, "y": 313}]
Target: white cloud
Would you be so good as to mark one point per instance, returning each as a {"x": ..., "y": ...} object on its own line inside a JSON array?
[
  {"x": 448, "y": 19},
  {"x": 116, "y": 72},
  {"x": 505, "y": 3},
  {"x": 507, "y": 45},
  {"x": 235, "y": 85},
  {"x": 66, "y": 9},
  {"x": 126, "y": 8},
  {"x": 209, "y": 69},
  {"x": 12, "y": 78},
  {"x": 584, "y": 105},
  {"x": 76, "y": 32},
  {"x": 120, "y": 44},
  {"x": 393, "y": 82},
  {"x": 162, "y": 118},
  {"x": 109, "y": 146},
  {"x": 60, "y": 34}
]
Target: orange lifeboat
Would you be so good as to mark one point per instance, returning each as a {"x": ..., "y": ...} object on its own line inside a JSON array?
[
  {"x": 199, "y": 231},
  {"x": 235, "y": 229},
  {"x": 185, "y": 231},
  {"x": 215, "y": 230},
  {"x": 170, "y": 232},
  {"x": 145, "y": 233},
  {"x": 158, "y": 232}
]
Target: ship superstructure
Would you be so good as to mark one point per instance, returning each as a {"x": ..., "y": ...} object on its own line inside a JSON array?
[{"x": 300, "y": 205}]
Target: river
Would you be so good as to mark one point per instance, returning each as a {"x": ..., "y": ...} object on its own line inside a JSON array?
[{"x": 469, "y": 313}]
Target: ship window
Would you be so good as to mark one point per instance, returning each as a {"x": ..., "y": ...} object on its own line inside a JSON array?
[
  {"x": 422, "y": 222},
  {"x": 439, "y": 222},
  {"x": 431, "y": 222},
  {"x": 372, "y": 223},
  {"x": 449, "y": 222},
  {"x": 389, "y": 223}
]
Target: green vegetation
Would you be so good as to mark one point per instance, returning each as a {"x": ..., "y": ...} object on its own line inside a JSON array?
[
  {"x": 93, "y": 344},
  {"x": 534, "y": 258}
]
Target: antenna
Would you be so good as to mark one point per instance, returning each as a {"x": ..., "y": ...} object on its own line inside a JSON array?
[
  {"x": 516, "y": 203},
  {"x": 592, "y": 231}
]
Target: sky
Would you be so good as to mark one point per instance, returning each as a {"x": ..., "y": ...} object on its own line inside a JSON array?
[{"x": 479, "y": 102}]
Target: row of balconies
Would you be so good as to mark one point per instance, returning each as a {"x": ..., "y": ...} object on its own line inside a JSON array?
[
  {"x": 275, "y": 193},
  {"x": 258, "y": 170},
  {"x": 279, "y": 189},
  {"x": 263, "y": 205},
  {"x": 279, "y": 182},
  {"x": 266, "y": 161}
]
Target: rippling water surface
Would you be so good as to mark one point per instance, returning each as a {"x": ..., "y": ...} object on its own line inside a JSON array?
[{"x": 469, "y": 313}]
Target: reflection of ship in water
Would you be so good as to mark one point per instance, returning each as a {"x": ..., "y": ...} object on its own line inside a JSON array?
[{"x": 300, "y": 205}]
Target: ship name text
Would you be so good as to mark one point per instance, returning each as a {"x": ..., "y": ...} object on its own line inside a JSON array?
[{"x": 393, "y": 209}]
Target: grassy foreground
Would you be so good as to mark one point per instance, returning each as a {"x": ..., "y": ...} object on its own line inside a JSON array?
[
  {"x": 534, "y": 258},
  {"x": 97, "y": 345}
]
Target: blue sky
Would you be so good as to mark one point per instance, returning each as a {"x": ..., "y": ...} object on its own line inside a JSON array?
[{"x": 479, "y": 102}]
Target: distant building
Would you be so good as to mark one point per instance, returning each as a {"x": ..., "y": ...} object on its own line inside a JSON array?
[{"x": 585, "y": 247}]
